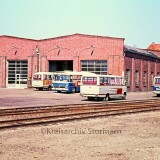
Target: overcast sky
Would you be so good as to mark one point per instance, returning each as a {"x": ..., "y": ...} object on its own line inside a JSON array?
[{"x": 137, "y": 21}]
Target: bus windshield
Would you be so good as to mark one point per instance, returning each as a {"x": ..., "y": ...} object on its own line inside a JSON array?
[
  {"x": 157, "y": 80},
  {"x": 62, "y": 78}
]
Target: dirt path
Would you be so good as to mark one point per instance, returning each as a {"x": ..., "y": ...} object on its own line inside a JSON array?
[{"x": 127, "y": 137}]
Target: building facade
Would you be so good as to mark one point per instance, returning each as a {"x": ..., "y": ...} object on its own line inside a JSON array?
[
  {"x": 155, "y": 48},
  {"x": 21, "y": 57},
  {"x": 141, "y": 67}
]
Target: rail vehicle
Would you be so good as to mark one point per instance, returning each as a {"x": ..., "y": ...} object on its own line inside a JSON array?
[
  {"x": 42, "y": 80},
  {"x": 156, "y": 86},
  {"x": 68, "y": 81},
  {"x": 103, "y": 87}
]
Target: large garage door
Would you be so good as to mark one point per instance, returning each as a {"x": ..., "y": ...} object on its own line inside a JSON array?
[
  {"x": 60, "y": 65},
  {"x": 17, "y": 74}
]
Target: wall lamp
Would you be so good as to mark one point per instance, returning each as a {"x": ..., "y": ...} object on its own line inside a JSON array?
[
  {"x": 37, "y": 49},
  {"x": 92, "y": 52},
  {"x": 92, "y": 49},
  {"x": 15, "y": 52},
  {"x": 58, "y": 52}
]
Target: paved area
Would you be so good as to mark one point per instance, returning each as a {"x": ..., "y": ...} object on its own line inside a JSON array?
[{"x": 31, "y": 97}]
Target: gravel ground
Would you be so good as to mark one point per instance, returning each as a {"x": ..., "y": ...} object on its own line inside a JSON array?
[{"x": 125, "y": 137}]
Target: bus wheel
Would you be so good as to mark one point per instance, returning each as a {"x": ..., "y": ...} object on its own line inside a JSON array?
[
  {"x": 49, "y": 88},
  {"x": 100, "y": 98},
  {"x": 91, "y": 98},
  {"x": 107, "y": 98},
  {"x": 124, "y": 96},
  {"x": 73, "y": 90}
]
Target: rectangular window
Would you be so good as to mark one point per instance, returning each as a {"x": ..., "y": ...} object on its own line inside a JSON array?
[
  {"x": 136, "y": 78},
  {"x": 152, "y": 77},
  {"x": 157, "y": 80},
  {"x": 128, "y": 77},
  {"x": 116, "y": 81},
  {"x": 144, "y": 78},
  {"x": 89, "y": 80},
  {"x": 104, "y": 81},
  {"x": 95, "y": 66}
]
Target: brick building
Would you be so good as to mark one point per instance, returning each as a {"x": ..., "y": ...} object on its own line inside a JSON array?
[
  {"x": 21, "y": 57},
  {"x": 155, "y": 48},
  {"x": 140, "y": 68}
]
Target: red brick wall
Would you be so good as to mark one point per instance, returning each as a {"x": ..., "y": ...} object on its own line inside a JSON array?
[
  {"x": 2, "y": 71},
  {"x": 141, "y": 63},
  {"x": 74, "y": 47},
  {"x": 14, "y": 48},
  {"x": 81, "y": 47}
]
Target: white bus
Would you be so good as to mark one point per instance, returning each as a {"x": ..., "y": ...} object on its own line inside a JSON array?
[
  {"x": 156, "y": 86},
  {"x": 103, "y": 87},
  {"x": 42, "y": 80}
]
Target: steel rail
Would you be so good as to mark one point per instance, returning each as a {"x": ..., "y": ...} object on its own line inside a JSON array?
[
  {"x": 58, "y": 108},
  {"x": 93, "y": 103},
  {"x": 68, "y": 108},
  {"x": 77, "y": 114}
]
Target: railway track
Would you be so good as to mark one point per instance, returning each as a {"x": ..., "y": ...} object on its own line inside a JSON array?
[{"x": 20, "y": 117}]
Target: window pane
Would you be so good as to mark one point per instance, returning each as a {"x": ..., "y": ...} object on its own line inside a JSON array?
[
  {"x": 98, "y": 67},
  {"x": 84, "y": 69}
]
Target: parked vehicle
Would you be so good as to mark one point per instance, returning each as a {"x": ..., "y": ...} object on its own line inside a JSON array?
[
  {"x": 103, "y": 87},
  {"x": 67, "y": 81},
  {"x": 156, "y": 86},
  {"x": 42, "y": 80}
]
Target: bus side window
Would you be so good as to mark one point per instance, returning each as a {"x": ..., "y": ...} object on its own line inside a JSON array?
[
  {"x": 112, "y": 81},
  {"x": 122, "y": 82},
  {"x": 49, "y": 77},
  {"x": 44, "y": 77},
  {"x": 117, "y": 81},
  {"x": 102, "y": 81},
  {"x": 71, "y": 79},
  {"x": 39, "y": 77},
  {"x": 89, "y": 80},
  {"x": 35, "y": 77},
  {"x": 107, "y": 81}
]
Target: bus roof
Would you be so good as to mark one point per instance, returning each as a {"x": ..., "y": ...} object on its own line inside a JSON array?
[
  {"x": 47, "y": 73},
  {"x": 100, "y": 75},
  {"x": 74, "y": 73}
]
